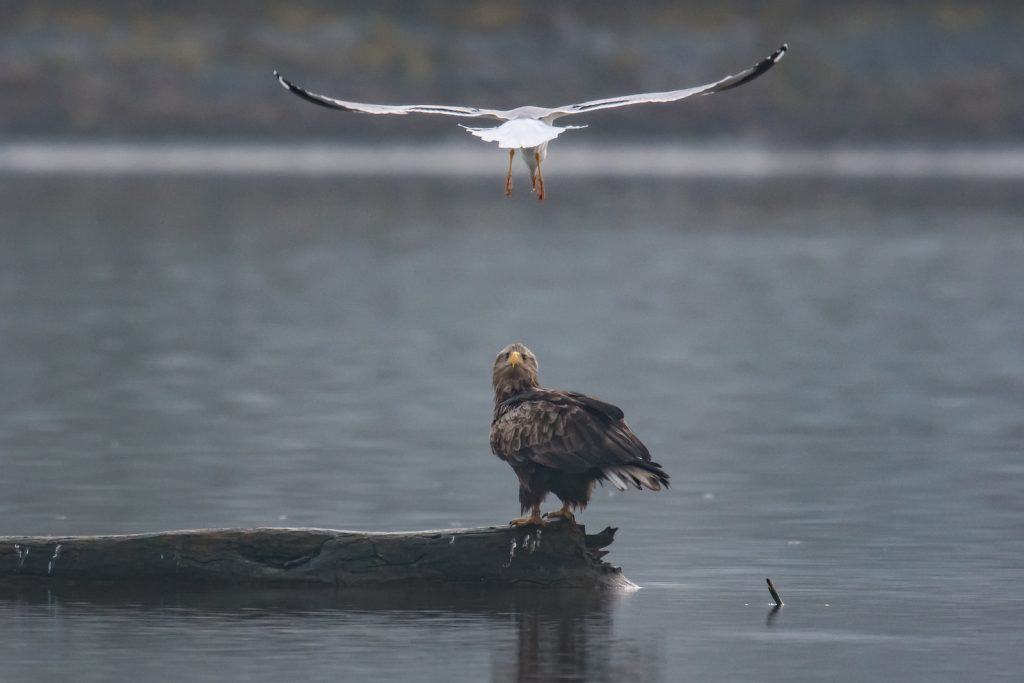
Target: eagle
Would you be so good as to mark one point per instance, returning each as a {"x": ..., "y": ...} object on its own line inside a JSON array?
[{"x": 562, "y": 442}]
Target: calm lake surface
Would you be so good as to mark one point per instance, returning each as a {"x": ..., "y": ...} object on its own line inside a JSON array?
[{"x": 833, "y": 373}]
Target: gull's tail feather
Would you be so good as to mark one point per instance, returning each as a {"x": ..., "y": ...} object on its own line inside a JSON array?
[{"x": 520, "y": 133}]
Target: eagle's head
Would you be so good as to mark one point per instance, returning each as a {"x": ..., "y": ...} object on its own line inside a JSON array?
[{"x": 515, "y": 371}]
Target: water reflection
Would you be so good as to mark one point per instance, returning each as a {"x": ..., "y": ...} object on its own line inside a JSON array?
[
  {"x": 537, "y": 635},
  {"x": 559, "y": 637}
]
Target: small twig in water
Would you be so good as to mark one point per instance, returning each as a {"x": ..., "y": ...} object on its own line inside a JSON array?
[{"x": 775, "y": 593}]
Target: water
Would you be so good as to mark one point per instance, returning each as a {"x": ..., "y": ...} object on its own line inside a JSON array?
[
  {"x": 465, "y": 159},
  {"x": 833, "y": 372}
]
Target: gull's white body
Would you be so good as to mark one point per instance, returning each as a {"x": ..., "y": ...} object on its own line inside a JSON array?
[
  {"x": 530, "y": 129},
  {"x": 530, "y": 136},
  {"x": 520, "y": 133}
]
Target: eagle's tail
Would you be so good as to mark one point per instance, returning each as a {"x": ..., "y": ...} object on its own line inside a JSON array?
[{"x": 641, "y": 475}]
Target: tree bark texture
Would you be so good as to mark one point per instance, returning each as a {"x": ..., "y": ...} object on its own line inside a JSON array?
[{"x": 558, "y": 555}]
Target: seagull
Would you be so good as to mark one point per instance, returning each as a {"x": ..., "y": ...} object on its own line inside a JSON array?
[{"x": 529, "y": 129}]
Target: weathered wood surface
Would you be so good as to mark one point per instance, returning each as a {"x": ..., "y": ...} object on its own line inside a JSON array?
[{"x": 559, "y": 554}]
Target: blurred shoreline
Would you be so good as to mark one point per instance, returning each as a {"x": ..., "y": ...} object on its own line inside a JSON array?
[
  {"x": 42, "y": 158},
  {"x": 858, "y": 73}
]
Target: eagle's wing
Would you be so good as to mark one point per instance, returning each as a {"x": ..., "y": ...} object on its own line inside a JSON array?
[
  {"x": 331, "y": 103},
  {"x": 726, "y": 83},
  {"x": 573, "y": 433}
]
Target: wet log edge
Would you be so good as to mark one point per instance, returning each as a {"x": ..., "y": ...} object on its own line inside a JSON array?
[{"x": 557, "y": 555}]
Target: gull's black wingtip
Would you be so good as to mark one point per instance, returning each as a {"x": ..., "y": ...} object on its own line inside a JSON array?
[{"x": 736, "y": 80}]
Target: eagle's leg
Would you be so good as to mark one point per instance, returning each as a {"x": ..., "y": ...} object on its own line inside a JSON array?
[
  {"x": 508, "y": 176},
  {"x": 565, "y": 513},
  {"x": 538, "y": 181},
  {"x": 533, "y": 519}
]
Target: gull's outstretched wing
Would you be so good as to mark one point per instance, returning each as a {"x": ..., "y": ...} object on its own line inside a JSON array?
[
  {"x": 726, "y": 83},
  {"x": 331, "y": 103}
]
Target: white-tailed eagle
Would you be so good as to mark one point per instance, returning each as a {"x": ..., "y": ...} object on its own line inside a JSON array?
[{"x": 562, "y": 442}]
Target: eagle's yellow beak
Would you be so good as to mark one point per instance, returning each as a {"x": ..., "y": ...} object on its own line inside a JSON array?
[{"x": 514, "y": 358}]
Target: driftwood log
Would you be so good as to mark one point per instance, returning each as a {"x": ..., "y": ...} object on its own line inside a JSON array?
[{"x": 560, "y": 554}]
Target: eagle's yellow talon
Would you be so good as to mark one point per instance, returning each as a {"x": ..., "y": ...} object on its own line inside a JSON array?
[
  {"x": 565, "y": 513},
  {"x": 529, "y": 521},
  {"x": 533, "y": 519}
]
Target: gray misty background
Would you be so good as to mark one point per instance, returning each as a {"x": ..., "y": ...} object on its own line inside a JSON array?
[
  {"x": 201, "y": 327},
  {"x": 920, "y": 72}
]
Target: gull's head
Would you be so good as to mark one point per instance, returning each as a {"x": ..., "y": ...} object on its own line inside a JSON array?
[{"x": 515, "y": 370}]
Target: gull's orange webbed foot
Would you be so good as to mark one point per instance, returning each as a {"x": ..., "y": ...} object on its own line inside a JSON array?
[
  {"x": 538, "y": 181},
  {"x": 508, "y": 176}
]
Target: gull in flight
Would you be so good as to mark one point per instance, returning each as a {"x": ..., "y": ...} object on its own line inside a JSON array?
[{"x": 530, "y": 129}]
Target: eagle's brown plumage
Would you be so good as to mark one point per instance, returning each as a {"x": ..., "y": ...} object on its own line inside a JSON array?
[{"x": 561, "y": 441}]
